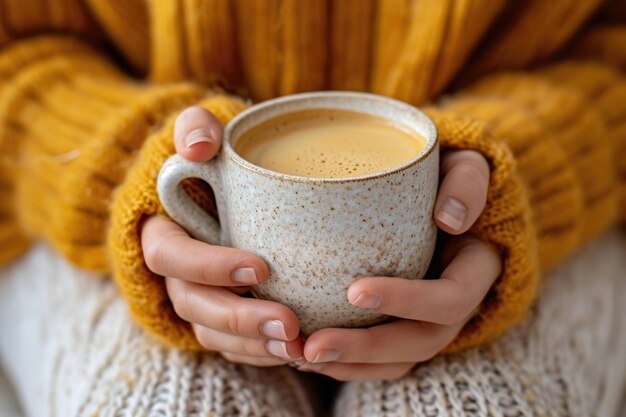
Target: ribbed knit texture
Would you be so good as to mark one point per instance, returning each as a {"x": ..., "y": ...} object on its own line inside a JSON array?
[
  {"x": 603, "y": 43},
  {"x": 97, "y": 120},
  {"x": 415, "y": 57},
  {"x": 73, "y": 125},
  {"x": 126, "y": 23},
  {"x": 351, "y": 33},
  {"x": 5, "y": 36},
  {"x": 579, "y": 130},
  {"x": 13, "y": 239},
  {"x": 193, "y": 39},
  {"x": 19, "y": 18},
  {"x": 605, "y": 91},
  {"x": 529, "y": 32},
  {"x": 283, "y": 46}
]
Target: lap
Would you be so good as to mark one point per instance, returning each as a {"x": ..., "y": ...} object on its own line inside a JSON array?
[
  {"x": 71, "y": 349},
  {"x": 567, "y": 359}
]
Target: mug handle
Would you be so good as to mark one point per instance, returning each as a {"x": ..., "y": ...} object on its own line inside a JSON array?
[{"x": 180, "y": 206}]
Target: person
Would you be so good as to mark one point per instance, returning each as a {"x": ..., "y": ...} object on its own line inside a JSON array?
[
  {"x": 532, "y": 171},
  {"x": 265, "y": 333}
]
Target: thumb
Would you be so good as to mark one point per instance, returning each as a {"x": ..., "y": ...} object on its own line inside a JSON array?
[
  {"x": 197, "y": 134},
  {"x": 463, "y": 191}
]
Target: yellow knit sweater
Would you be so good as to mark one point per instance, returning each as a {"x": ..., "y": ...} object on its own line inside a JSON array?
[{"x": 89, "y": 90}]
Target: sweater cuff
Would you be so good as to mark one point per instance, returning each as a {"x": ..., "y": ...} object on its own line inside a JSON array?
[
  {"x": 135, "y": 201},
  {"x": 505, "y": 225}
]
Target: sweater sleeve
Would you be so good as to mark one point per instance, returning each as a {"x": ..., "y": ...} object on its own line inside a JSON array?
[
  {"x": 70, "y": 126},
  {"x": 13, "y": 60},
  {"x": 564, "y": 125},
  {"x": 604, "y": 92},
  {"x": 20, "y": 19}
]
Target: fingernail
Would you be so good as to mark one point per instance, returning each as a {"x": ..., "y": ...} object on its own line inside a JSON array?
[
  {"x": 278, "y": 348},
  {"x": 245, "y": 276},
  {"x": 200, "y": 135},
  {"x": 327, "y": 355},
  {"x": 452, "y": 213},
  {"x": 274, "y": 329},
  {"x": 367, "y": 300},
  {"x": 309, "y": 366}
]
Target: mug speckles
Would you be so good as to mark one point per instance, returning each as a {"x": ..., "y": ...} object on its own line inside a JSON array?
[{"x": 317, "y": 235}]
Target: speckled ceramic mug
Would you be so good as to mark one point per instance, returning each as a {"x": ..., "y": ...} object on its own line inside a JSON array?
[{"x": 317, "y": 235}]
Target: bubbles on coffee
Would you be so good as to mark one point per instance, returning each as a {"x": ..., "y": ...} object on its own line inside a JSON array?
[{"x": 329, "y": 143}]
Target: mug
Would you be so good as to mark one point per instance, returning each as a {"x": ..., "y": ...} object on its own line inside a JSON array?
[{"x": 317, "y": 235}]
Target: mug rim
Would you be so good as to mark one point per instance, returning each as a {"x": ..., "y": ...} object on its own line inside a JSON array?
[{"x": 414, "y": 112}]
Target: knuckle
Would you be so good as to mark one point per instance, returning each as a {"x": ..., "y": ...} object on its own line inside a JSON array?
[
  {"x": 472, "y": 174},
  {"x": 410, "y": 311},
  {"x": 251, "y": 347},
  {"x": 233, "y": 323},
  {"x": 205, "y": 340},
  {"x": 437, "y": 343},
  {"x": 153, "y": 254},
  {"x": 456, "y": 312},
  {"x": 373, "y": 345},
  {"x": 457, "y": 307},
  {"x": 181, "y": 301},
  {"x": 208, "y": 273}
]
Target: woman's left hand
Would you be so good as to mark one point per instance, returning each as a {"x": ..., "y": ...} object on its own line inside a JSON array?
[{"x": 431, "y": 312}]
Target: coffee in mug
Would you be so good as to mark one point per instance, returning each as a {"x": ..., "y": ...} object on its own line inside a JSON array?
[
  {"x": 319, "y": 226},
  {"x": 329, "y": 143}
]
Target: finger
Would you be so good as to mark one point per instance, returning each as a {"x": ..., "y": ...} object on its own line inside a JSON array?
[
  {"x": 197, "y": 134},
  {"x": 399, "y": 341},
  {"x": 463, "y": 191},
  {"x": 253, "y": 360},
  {"x": 224, "y": 342},
  {"x": 449, "y": 300},
  {"x": 222, "y": 310},
  {"x": 360, "y": 371},
  {"x": 170, "y": 251}
]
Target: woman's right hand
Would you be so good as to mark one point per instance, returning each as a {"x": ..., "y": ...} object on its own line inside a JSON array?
[{"x": 205, "y": 283}]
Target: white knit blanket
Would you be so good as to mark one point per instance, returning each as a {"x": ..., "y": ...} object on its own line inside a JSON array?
[{"x": 71, "y": 349}]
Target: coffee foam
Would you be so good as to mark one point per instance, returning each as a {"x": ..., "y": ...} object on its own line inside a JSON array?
[{"x": 328, "y": 143}]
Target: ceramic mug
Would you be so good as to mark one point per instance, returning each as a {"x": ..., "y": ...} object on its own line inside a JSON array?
[{"x": 317, "y": 235}]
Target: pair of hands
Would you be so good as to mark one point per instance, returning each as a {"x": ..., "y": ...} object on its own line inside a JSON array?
[{"x": 206, "y": 283}]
